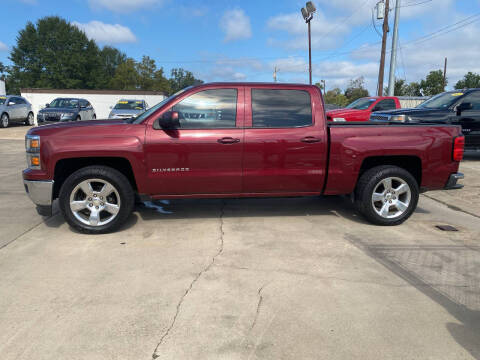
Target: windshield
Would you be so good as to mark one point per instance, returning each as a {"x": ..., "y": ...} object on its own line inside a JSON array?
[
  {"x": 143, "y": 116},
  {"x": 361, "y": 104},
  {"x": 2, "y": 100},
  {"x": 64, "y": 103},
  {"x": 441, "y": 101},
  {"x": 129, "y": 105}
]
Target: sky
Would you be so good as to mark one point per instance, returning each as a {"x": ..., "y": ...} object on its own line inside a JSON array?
[{"x": 244, "y": 40}]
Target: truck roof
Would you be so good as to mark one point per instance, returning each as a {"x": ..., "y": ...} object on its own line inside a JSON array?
[{"x": 237, "y": 83}]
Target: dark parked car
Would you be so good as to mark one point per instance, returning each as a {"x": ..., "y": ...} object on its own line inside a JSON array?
[
  {"x": 15, "y": 109},
  {"x": 66, "y": 109},
  {"x": 459, "y": 107}
]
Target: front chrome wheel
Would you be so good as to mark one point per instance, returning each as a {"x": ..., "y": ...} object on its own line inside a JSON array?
[
  {"x": 30, "y": 119},
  {"x": 391, "y": 197},
  {"x": 95, "y": 202},
  {"x": 4, "y": 120}
]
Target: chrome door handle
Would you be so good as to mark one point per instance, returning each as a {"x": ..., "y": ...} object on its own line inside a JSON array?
[
  {"x": 311, "y": 139},
  {"x": 228, "y": 140}
]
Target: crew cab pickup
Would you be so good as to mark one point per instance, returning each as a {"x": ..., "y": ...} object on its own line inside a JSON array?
[
  {"x": 459, "y": 107},
  {"x": 361, "y": 109},
  {"x": 223, "y": 140}
]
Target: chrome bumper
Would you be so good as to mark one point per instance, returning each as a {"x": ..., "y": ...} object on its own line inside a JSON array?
[
  {"x": 452, "y": 181},
  {"x": 40, "y": 192}
]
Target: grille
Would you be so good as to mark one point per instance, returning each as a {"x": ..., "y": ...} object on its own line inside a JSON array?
[
  {"x": 379, "y": 118},
  {"x": 52, "y": 116}
]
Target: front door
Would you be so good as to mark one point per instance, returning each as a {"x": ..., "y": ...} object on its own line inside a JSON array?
[
  {"x": 203, "y": 155},
  {"x": 285, "y": 141}
]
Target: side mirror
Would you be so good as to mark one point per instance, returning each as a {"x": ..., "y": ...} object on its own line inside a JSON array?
[
  {"x": 47, "y": 105},
  {"x": 376, "y": 108},
  {"x": 464, "y": 106},
  {"x": 10, "y": 103},
  {"x": 168, "y": 120}
]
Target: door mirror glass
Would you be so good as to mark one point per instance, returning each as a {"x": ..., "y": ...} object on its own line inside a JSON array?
[{"x": 168, "y": 120}]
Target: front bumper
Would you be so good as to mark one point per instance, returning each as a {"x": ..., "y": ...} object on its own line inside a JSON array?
[
  {"x": 40, "y": 192},
  {"x": 452, "y": 181}
]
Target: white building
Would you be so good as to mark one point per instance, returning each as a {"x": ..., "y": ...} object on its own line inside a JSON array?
[
  {"x": 101, "y": 100},
  {"x": 2, "y": 88}
]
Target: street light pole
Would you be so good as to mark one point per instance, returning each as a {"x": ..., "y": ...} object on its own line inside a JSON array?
[
  {"x": 309, "y": 51},
  {"x": 307, "y": 13},
  {"x": 393, "y": 56}
]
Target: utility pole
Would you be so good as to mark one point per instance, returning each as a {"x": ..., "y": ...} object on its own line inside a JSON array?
[
  {"x": 445, "y": 75},
  {"x": 393, "y": 58},
  {"x": 275, "y": 74},
  {"x": 324, "y": 88},
  {"x": 381, "y": 71}
]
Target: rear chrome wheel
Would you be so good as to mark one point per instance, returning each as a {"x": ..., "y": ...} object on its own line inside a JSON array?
[
  {"x": 4, "y": 120},
  {"x": 95, "y": 202},
  {"x": 391, "y": 197},
  {"x": 386, "y": 195},
  {"x": 30, "y": 120}
]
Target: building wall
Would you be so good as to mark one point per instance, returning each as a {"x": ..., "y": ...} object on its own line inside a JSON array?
[{"x": 100, "y": 102}]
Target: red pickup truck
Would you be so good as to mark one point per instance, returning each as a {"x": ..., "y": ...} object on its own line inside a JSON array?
[
  {"x": 224, "y": 140},
  {"x": 361, "y": 109}
]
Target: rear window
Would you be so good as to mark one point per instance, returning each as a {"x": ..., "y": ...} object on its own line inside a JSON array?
[{"x": 281, "y": 108}]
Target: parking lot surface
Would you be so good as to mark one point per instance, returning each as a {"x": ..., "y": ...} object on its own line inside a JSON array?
[{"x": 302, "y": 278}]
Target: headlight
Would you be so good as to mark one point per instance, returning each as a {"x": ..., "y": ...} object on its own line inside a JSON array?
[
  {"x": 339, "y": 119},
  {"x": 66, "y": 116},
  {"x": 32, "y": 146},
  {"x": 399, "y": 118}
]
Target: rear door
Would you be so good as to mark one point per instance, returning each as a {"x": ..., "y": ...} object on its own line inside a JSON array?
[
  {"x": 285, "y": 140},
  {"x": 204, "y": 155},
  {"x": 14, "y": 109},
  {"x": 470, "y": 121}
]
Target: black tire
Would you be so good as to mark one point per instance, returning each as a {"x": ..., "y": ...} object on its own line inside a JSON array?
[
  {"x": 370, "y": 180},
  {"x": 30, "y": 121},
  {"x": 4, "y": 120},
  {"x": 115, "y": 178},
  {"x": 94, "y": 117},
  {"x": 78, "y": 118}
]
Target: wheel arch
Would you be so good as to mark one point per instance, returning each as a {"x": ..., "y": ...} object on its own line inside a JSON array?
[
  {"x": 411, "y": 163},
  {"x": 65, "y": 167}
]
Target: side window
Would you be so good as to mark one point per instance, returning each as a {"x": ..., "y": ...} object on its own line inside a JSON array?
[
  {"x": 208, "y": 109},
  {"x": 473, "y": 98},
  {"x": 387, "y": 104},
  {"x": 83, "y": 103},
  {"x": 14, "y": 100},
  {"x": 88, "y": 105},
  {"x": 281, "y": 108},
  {"x": 20, "y": 100}
]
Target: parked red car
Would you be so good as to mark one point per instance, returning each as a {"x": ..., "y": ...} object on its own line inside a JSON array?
[
  {"x": 224, "y": 140},
  {"x": 360, "y": 109}
]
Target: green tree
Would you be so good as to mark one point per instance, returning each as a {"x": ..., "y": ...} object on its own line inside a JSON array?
[
  {"x": 53, "y": 54},
  {"x": 356, "y": 89},
  {"x": 433, "y": 84},
  {"x": 160, "y": 82},
  {"x": 146, "y": 72},
  {"x": 126, "y": 76},
  {"x": 336, "y": 97},
  {"x": 181, "y": 78},
  {"x": 470, "y": 81},
  {"x": 413, "y": 89},
  {"x": 109, "y": 60},
  {"x": 400, "y": 88}
]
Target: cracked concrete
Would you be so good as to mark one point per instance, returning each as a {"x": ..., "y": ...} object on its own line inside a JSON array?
[{"x": 240, "y": 279}]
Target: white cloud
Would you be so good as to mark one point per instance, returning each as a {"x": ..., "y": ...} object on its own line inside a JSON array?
[
  {"x": 236, "y": 25},
  {"x": 326, "y": 32},
  {"x": 3, "y": 47},
  {"x": 107, "y": 33},
  {"x": 123, "y": 6}
]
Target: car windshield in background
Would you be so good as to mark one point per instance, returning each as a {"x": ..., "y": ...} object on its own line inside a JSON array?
[
  {"x": 441, "y": 101},
  {"x": 143, "y": 116},
  {"x": 2, "y": 100},
  {"x": 361, "y": 104},
  {"x": 129, "y": 105},
  {"x": 64, "y": 103}
]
